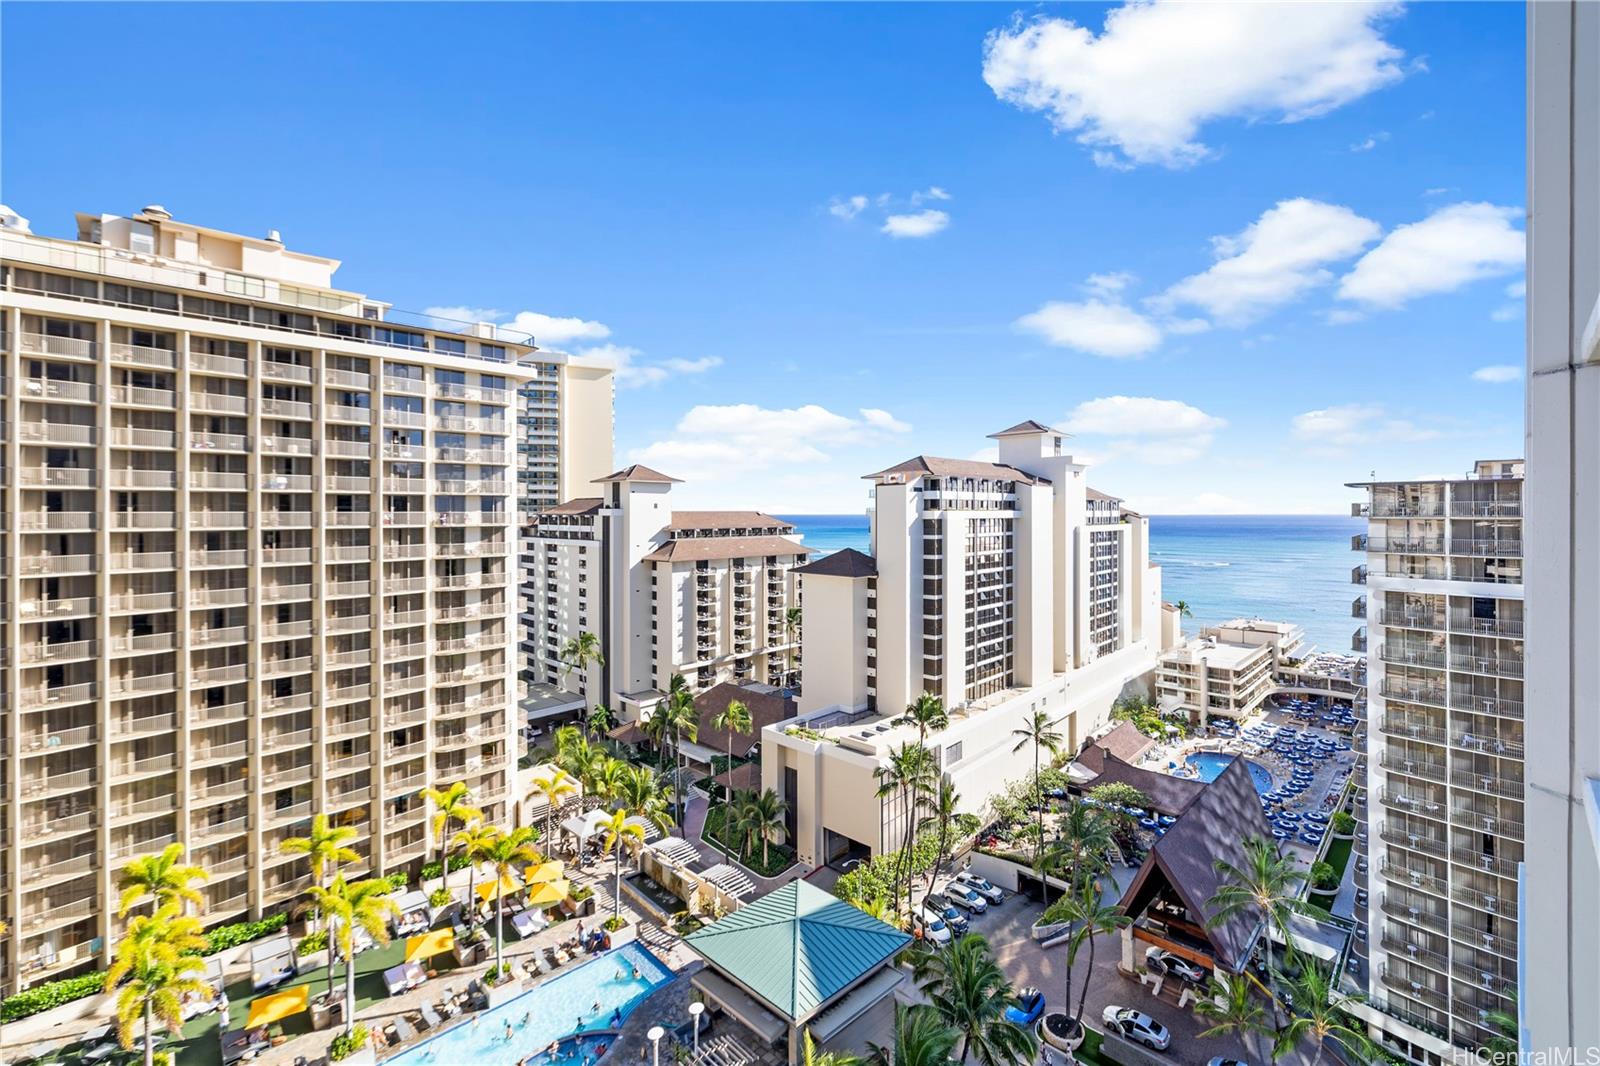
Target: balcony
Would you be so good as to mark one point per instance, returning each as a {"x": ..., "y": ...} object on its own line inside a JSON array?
[
  {"x": 139, "y": 355},
  {"x": 44, "y": 344},
  {"x": 1491, "y": 665}
]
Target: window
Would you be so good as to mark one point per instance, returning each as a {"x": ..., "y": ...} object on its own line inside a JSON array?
[
  {"x": 450, "y": 345},
  {"x": 496, "y": 352}
]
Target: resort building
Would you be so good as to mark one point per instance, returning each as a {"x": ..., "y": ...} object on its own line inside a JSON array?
[
  {"x": 260, "y": 563},
  {"x": 1444, "y": 773},
  {"x": 564, "y": 429},
  {"x": 1561, "y": 878},
  {"x": 1003, "y": 589},
  {"x": 704, "y": 595},
  {"x": 1226, "y": 671},
  {"x": 803, "y": 961}
]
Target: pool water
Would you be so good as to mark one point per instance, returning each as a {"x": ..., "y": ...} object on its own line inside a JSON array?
[
  {"x": 1210, "y": 764},
  {"x": 554, "y": 1011}
]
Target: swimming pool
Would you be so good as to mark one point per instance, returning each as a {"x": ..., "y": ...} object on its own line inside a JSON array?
[
  {"x": 553, "y": 1011},
  {"x": 1210, "y": 764}
]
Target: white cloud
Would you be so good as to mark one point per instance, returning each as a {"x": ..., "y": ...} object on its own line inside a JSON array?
[
  {"x": 1108, "y": 284},
  {"x": 546, "y": 330},
  {"x": 721, "y": 441},
  {"x": 1148, "y": 429},
  {"x": 920, "y": 224},
  {"x": 1452, "y": 247},
  {"x": 932, "y": 192},
  {"x": 1498, "y": 374},
  {"x": 848, "y": 208},
  {"x": 1517, "y": 290},
  {"x": 1369, "y": 143},
  {"x": 633, "y": 374},
  {"x": 1160, "y": 70},
  {"x": 1332, "y": 429},
  {"x": 1274, "y": 260},
  {"x": 1112, "y": 330},
  {"x": 1506, "y": 313}
]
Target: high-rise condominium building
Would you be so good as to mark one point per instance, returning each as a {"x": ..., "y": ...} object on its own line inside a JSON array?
[
  {"x": 700, "y": 594},
  {"x": 259, "y": 562},
  {"x": 564, "y": 418},
  {"x": 1001, "y": 588},
  {"x": 1444, "y": 776}
]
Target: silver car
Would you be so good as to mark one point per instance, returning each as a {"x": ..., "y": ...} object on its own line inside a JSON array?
[
  {"x": 980, "y": 885},
  {"x": 1136, "y": 1026}
]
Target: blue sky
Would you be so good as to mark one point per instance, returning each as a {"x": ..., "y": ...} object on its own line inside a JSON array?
[{"x": 1245, "y": 254}]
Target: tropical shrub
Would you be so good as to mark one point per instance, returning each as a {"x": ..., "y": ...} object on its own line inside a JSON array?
[
  {"x": 613, "y": 923},
  {"x": 1324, "y": 876},
  {"x": 439, "y": 897},
  {"x": 346, "y": 1044},
  {"x": 431, "y": 870},
  {"x": 50, "y": 995},
  {"x": 224, "y": 937},
  {"x": 312, "y": 943},
  {"x": 1343, "y": 823},
  {"x": 398, "y": 880}
]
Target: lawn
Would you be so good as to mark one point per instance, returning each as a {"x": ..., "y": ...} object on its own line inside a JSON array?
[
  {"x": 1338, "y": 857},
  {"x": 779, "y": 856}
]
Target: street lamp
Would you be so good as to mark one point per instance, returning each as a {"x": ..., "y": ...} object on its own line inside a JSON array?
[
  {"x": 695, "y": 1010},
  {"x": 655, "y": 1034}
]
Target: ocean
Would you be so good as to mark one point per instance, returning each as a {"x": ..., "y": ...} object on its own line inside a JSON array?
[{"x": 1293, "y": 568}]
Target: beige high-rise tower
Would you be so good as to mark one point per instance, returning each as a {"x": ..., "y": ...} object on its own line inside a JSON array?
[{"x": 260, "y": 562}]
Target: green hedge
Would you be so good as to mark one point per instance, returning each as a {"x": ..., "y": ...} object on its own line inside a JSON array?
[
  {"x": 430, "y": 870},
  {"x": 50, "y": 995},
  {"x": 224, "y": 937},
  {"x": 313, "y": 943}
]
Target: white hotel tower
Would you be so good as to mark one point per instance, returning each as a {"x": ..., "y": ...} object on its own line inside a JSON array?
[
  {"x": 1444, "y": 755},
  {"x": 260, "y": 561}
]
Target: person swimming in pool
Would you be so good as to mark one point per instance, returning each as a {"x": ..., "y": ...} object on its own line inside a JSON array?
[
  {"x": 508, "y": 1031},
  {"x": 523, "y": 1024},
  {"x": 616, "y": 1018}
]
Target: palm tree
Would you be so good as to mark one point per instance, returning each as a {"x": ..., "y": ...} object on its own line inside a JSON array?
[
  {"x": 1040, "y": 732},
  {"x": 606, "y": 777},
  {"x": 921, "y": 1038},
  {"x": 1233, "y": 1010},
  {"x": 1082, "y": 839},
  {"x": 792, "y": 618},
  {"x": 810, "y": 1056},
  {"x": 579, "y": 652},
  {"x": 474, "y": 841},
  {"x": 970, "y": 992},
  {"x": 762, "y": 816},
  {"x": 642, "y": 791},
  {"x": 161, "y": 878},
  {"x": 942, "y": 813},
  {"x": 619, "y": 834},
  {"x": 325, "y": 846},
  {"x": 903, "y": 777},
  {"x": 1318, "y": 1015},
  {"x": 553, "y": 787},
  {"x": 678, "y": 719},
  {"x": 452, "y": 803},
  {"x": 735, "y": 718},
  {"x": 501, "y": 853},
  {"x": 1267, "y": 886},
  {"x": 1182, "y": 607},
  {"x": 349, "y": 904},
  {"x": 599, "y": 720},
  {"x": 1091, "y": 916},
  {"x": 159, "y": 958},
  {"x": 927, "y": 713}
]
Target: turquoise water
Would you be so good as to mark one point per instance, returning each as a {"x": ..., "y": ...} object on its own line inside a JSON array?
[
  {"x": 1290, "y": 567},
  {"x": 1210, "y": 764},
  {"x": 555, "y": 1010}
]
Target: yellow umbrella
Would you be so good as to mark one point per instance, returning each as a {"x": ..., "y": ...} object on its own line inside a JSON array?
[
  {"x": 429, "y": 944},
  {"x": 264, "y": 1010},
  {"x": 549, "y": 893},
  {"x": 545, "y": 871},
  {"x": 495, "y": 889}
]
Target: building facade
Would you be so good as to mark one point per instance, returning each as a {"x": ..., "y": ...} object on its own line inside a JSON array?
[
  {"x": 564, "y": 429},
  {"x": 1560, "y": 997},
  {"x": 1228, "y": 670},
  {"x": 260, "y": 563},
  {"x": 705, "y": 595},
  {"x": 1444, "y": 765},
  {"x": 990, "y": 586}
]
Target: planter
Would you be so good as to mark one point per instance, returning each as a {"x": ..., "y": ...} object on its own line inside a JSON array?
[
  {"x": 1059, "y": 1031},
  {"x": 626, "y": 935},
  {"x": 504, "y": 992},
  {"x": 1049, "y": 930},
  {"x": 365, "y": 1057},
  {"x": 317, "y": 960}
]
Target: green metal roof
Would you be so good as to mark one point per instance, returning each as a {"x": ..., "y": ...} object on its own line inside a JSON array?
[{"x": 797, "y": 947}]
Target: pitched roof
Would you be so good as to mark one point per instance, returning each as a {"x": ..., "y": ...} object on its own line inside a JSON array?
[
  {"x": 767, "y": 705},
  {"x": 1026, "y": 429},
  {"x": 1222, "y": 817},
  {"x": 628, "y": 733},
  {"x": 935, "y": 466},
  {"x": 576, "y": 506},
  {"x": 745, "y": 777},
  {"x": 724, "y": 520},
  {"x": 1096, "y": 494},
  {"x": 846, "y": 562},
  {"x": 1167, "y": 794},
  {"x": 638, "y": 472},
  {"x": 1123, "y": 740},
  {"x": 797, "y": 948},
  {"x": 692, "y": 549}
]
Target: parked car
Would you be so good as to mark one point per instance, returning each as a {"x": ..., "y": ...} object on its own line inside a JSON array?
[
  {"x": 963, "y": 896},
  {"x": 1136, "y": 1026},
  {"x": 1026, "y": 1010},
  {"x": 949, "y": 912},
  {"x": 1220, "y": 1061},
  {"x": 930, "y": 927},
  {"x": 1162, "y": 961},
  {"x": 980, "y": 885}
]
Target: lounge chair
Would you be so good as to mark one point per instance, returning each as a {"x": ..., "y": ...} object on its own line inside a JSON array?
[
  {"x": 403, "y": 1029},
  {"x": 447, "y": 1006},
  {"x": 395, "y": 979},
  {"x": 431, "y": 1016},
  {"x": 423, "y": 1025}
]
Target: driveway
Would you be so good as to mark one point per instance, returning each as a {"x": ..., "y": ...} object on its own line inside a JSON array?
[{"x": 1007, "y": 926}]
